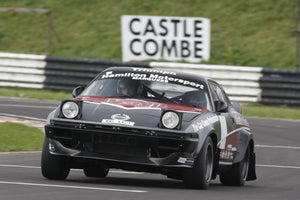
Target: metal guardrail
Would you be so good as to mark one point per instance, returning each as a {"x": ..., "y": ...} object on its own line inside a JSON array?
[
  {"x": 243, "y": 84},
  {"x": 280, "y": 86},
  {"x": 240, "y": 83},
  {"x": 248, "y": 84},
  {"x": 36, "y": 71}
]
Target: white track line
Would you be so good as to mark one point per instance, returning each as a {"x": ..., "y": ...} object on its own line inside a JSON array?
[
  {"x": 71, "y": 187},
  {"x": 18, "y": 152},
  {"x": 28, "y": 106},
  {"x": 278, "y": 166},
  {"x": 20, "y": 166},
  {"x": 22, "y": 117},
  {"x": 277, "y": 147}
]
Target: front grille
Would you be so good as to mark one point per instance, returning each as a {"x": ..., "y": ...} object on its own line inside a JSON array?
[
  {"x": 119, "y": 140},
  {"x": 120, "y": 150}
]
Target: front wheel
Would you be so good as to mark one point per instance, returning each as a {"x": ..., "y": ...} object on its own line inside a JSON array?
[
  {"x": 238, "y": 172},
  {"x": 53, "y": 167},
  {"x": 200, "y": 175}
]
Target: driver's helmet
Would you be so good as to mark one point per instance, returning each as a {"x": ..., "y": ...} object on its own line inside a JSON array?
[{"x": 129, "y": 87}]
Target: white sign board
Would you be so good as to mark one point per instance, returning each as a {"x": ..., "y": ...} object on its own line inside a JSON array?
[{"x": 167, "y": 38}]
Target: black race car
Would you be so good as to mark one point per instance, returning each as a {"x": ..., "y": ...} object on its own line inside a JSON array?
[{"x": 142, "y": 119}]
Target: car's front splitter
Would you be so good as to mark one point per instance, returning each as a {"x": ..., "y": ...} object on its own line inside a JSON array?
[
  {"x": 123, "y": 145},
  {"x": 174, "y": 160}
]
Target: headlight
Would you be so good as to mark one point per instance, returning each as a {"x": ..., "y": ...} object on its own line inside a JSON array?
[
  {"x": 170, "y": 119},
  {"x": 70, "y": 109}
]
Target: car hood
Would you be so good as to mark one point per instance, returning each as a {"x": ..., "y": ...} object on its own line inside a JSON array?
[{"x": 132, "y": 112}]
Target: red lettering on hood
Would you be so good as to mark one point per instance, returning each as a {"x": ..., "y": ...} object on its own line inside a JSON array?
[{"x": 137, "y": 103}]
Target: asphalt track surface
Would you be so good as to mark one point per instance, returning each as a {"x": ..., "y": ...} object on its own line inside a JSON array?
[{"x": 278, "y": 169}]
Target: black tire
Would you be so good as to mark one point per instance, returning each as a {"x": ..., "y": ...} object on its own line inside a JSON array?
[
  {"x": 200, "y": 175},
  {"x": 97, "y": 172},
  {"x": 237, "y": 173},
  {"x": 53, "y": 167}
]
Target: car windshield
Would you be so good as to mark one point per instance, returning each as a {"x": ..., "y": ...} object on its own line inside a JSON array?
[{"x": 174, "y": 92}]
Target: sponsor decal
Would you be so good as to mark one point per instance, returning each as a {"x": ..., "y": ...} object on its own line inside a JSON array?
[
  {"x": 230, "y": 149},
  {"x": 204, "y": 123},
  {"x": 157, "y": 71},
  {"x": 241, "y": 121},
  {"x": 228, "y": 153},
  {"x": 118, "y": 119},
  {"x": 182, "y": 160},
  {"x": 155, "y": 77},
  {"x": 132, "y": 104}
]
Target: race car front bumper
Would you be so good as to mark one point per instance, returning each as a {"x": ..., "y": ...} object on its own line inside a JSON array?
[{"x": 116, "y": 144}]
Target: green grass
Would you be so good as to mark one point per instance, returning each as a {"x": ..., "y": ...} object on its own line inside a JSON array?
[
  {"x": 244, "y": 33},
  {"x": 268, "y": 111},
  {"x": 18, "y": 137},
  {"x": 35, "y": 93}
]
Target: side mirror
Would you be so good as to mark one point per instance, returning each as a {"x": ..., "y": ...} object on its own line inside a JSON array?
[
  {"x": 77, "y": 91},
  {"x": 237, "y": 107},
  {"x": 220, "y": 106}
]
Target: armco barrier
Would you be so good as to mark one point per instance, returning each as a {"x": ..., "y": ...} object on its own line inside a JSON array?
[
  {"x": 240, "y": 83},
  {"x": 243, "y": 84},
  {"x": 37, "y": 71},
  {"x": 248, "y": 84},
  {"x": 280, "y": 86}
]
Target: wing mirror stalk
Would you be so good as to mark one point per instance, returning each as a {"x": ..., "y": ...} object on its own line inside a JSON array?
[{"x": 220, "y": 106}]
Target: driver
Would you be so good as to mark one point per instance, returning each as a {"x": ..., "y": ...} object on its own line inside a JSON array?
[{"x": 129, "y": 88}]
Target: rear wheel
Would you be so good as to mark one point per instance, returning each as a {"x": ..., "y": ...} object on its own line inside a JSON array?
[
  {"x": 200, "y": 175},
  {"x": 53, "y": 167},
  {"x": 237, "y": 174}
]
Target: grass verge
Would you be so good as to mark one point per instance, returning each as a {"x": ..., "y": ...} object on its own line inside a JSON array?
[
  {"x": 268, "y": 111},
  {"x": 18, "y": 137},
  {"x": 43, "y": 94}
]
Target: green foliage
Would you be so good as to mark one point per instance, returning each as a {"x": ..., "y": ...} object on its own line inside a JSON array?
[
  {"x": 18, "y": 137},
  {"x": 246, "y": 33}
]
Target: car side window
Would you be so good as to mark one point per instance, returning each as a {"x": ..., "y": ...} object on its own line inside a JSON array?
[
  {"x": 222, "y": 93},
  {"x": 218, "y": 94},
  {"x": 213, "y": 93}
]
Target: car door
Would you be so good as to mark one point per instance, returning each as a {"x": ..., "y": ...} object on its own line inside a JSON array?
[{"x": 222, "y": 108}]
